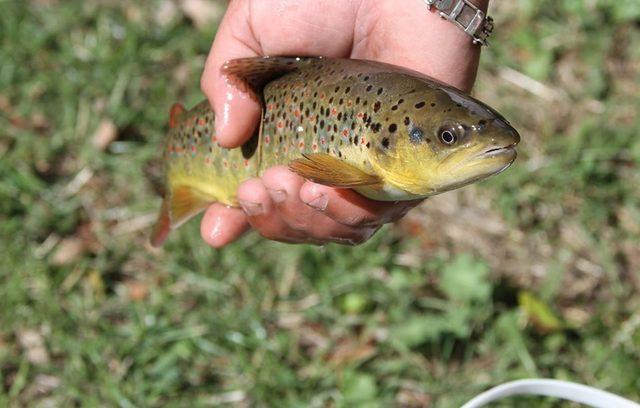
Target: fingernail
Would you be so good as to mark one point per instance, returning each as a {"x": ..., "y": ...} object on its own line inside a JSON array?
[
  {"x": 277, "y": 196},
  {"x": 252, "y": 209},
  {"x": 319, "y": 203}
]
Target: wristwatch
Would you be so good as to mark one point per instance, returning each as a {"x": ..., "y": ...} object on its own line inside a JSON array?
[{"x": 467, "y": 16}]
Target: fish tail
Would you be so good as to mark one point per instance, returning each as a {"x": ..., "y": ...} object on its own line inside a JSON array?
[{"x": 181, "y": 203}]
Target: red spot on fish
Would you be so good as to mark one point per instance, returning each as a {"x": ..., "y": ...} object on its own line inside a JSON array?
[
  {"x": 297, "y": 113},
  {"x": 246, "y": 163},
  {"x": 267, "y": 139},
  {"x": 202, "y": 122},
  {"x": 286, "y": 149},
  {"x": 323, "y": 141},
  {"x": 345, "y": 133},
  {"x": 301, "y": 144},
  {"x": 214, "y": 139},
  {"x": 334, "y": 112},
  {"x": 312, "y": 118},
  {"x": 322, "y": 95},
  {"x": 280, "y": 124},
  {"x": 269, "y": 107},
  {"x": 349, "y": 103},
  {"x": 360, "y": 115},
  {"x": 193, "y": 149},
  {"x": 225, "y": 163},
  {"x": 363, "y": 141},
  {"x": 314, "y": 147}
]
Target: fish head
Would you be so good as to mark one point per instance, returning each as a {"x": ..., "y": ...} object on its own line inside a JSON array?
[{"x": 441, "y": 139}]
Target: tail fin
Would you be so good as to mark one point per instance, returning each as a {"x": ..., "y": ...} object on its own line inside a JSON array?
[{"x": 179, "y": 205}]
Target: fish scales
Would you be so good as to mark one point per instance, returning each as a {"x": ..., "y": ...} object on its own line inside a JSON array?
[{"x": 346, "y": 123}]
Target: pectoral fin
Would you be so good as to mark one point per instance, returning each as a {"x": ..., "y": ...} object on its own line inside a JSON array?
[
  {"x": 331, "y": 171},
  {"x": 182, "y": 203}
]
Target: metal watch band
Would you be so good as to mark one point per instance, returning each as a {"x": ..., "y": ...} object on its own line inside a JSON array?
[{"x": 467, "y": 16}]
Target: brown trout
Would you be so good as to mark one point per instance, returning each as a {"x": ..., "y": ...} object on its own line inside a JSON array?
[{"x": 387, "y": 132}]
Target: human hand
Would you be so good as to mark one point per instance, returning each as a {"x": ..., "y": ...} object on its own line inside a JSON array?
[{"x": 281, "y": 205}]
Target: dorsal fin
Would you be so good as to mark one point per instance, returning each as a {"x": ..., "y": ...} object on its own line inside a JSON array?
[
  {"x": 176, "y": 111},
  {"x": 252, "y": 74}
]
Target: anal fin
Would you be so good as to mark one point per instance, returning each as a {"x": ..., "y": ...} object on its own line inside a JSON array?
[
  {"x": 182, "y": 203},
  {"x": 331, "y": 171}
]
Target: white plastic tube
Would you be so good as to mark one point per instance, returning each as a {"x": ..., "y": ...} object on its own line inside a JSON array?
[{"x": 552, "y": 388}]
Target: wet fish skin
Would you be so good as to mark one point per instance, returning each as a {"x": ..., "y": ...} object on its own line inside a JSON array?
[{"x": 379, "y": 129}]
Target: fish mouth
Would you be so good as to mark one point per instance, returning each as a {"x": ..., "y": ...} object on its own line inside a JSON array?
[{"x": 505, "y": 151}]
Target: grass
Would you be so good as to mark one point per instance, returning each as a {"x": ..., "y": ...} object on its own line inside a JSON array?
[{"x": 533, "y": 273}]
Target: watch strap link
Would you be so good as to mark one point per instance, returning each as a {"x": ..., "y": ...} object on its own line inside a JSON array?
[{"x": 467, "y": 16}]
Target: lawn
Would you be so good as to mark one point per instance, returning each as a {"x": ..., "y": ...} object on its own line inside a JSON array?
[{"x": 535, "y": 272}]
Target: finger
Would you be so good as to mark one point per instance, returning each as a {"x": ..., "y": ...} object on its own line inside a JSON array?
[
  {"x": 222, "y": 225},
  {"x": 237, "y": 112},
  {"x": 349, "y": 208},
  {"x": 263, "y": 215},
  {"x": 284, "y": 188}
]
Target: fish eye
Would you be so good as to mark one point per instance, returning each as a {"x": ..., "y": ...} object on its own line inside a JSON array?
[
  {"x": 450, "y": 135},
  {"x": 447, "y": 137},
  {"x": 416, "y": 135}
]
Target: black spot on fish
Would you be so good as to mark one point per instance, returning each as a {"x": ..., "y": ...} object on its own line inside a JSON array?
[
  {"x": 322, "y": 124},
  {"x": 358, "y": 100},
  {"x": 385, "y": 142},
  {"x": 369, "y": 88},
  {"x": 419, "y": 105},
  {"x": 393, "y": 127},
  {"x": 347, "y": 90},
  {"x": 339, "y": 115},
  {"x": 380, "y": 90},
  {"x": 368, "y": 145},
  {"x": 433, "y": 104},
  {"x": 376, "y": 106},
  {"x": 337, "y": 89},
  {"x": 355, "y": 140}
]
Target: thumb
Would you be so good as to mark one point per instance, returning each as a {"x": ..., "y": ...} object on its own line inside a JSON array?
[{"x": 237, "y": 113}]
